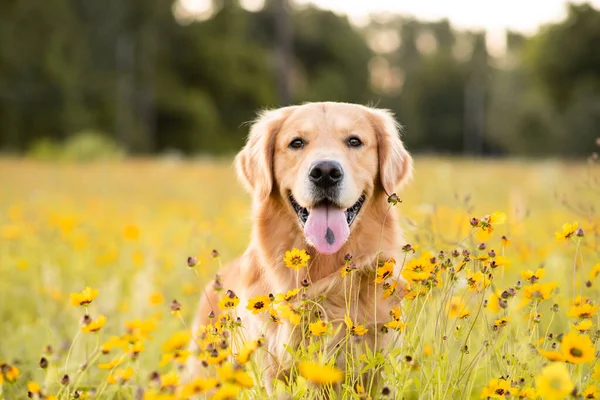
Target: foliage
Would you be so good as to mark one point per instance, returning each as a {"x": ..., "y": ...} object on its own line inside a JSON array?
[
  {"x": 492, "y": 296},
  {"x": 154, "y": 80}
]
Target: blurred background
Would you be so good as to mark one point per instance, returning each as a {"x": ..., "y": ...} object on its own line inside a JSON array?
[{"x": 519, "y": 78}]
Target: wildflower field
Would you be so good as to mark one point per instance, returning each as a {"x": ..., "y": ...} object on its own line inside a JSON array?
[{"x": 102, "y": 266}]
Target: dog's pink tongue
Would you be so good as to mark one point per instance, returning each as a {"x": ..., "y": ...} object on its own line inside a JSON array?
[{"x": 326, "y": 228}]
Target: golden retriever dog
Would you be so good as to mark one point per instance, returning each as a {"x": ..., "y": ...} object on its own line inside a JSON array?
[{"x": 320, "y": 175}]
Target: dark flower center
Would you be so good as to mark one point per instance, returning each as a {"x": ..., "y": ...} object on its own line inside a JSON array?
[
  {"x": 258, "y": 305},
  {"x": 575, "y": 352}
]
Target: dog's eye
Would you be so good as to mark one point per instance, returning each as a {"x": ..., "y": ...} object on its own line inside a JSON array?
[
  {"x": 297, "y": 144},
  {"x": 354, "y": 142}
]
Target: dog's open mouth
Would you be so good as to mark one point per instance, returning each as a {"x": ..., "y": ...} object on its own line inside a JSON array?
[{"x": 326, "y": 225}]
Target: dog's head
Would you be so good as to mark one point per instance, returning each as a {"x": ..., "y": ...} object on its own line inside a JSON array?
[{"x": 327, "y": 161}]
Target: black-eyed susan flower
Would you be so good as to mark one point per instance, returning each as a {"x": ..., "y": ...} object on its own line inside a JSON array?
[
  {"x": 358, "y": 330},
  {"x": 289, "y": 312},
  {"x": 8, "y": 373},
  {"x": 178, "y": 341},
  {"x": 477, "y": 281},
  {"x": 115, "y": 362},
  {"x": 591, "y": 392},
  {"x": 247, "y": 350},
  {"x": 385, "y": 271},
  {"x": 568, "y": 230},
  {"x": 583, "y": 311},
  {"x": 114, "y": 342},
  {"x": 500, "y": 322},
  {"x": 347, "y": 268},
  {"x": 577, "y": 349},
  {"x": 419, "y": 269},
  {"x": 551, "y": 355},
  {"x": 296, "y": 259},
  {"x": 33, "y": 388},
  {"x": 487, "y": 223},
  {"x": 94, "y": 325},
  {"x": 237, "y": 376},
  {"x": 318, "y": 328},
  {"x": 583, "y": 326},
  {"x": 229, "y": 301},
  {"x": 258, "y": 304},
  {"x": 198, "y": 386},
  {"x": 228, "y": 391},
  {"x": 137, "y": 329},
  {"x": 170, "y": 380},
  {"x": 389, "y": 288},
  {"x": 288, "y": 296},
  {"x": 554, "y": 382},
  {"x": 121, "y": 376},
  {"x": 396, "y": 325},
  {"x": 85, "y": 297},
  {"x": 538, "y": 291},
  {"x": 533, "y": 276},
  {"x": 457, "y": 308},
  {"x": 320, "y": 374},
  {"x": 497, "y": 389}
]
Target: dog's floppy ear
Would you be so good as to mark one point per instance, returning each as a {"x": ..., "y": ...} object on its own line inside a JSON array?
[
  {"x": 395, "y": 164},
  {"x": 254, "y": 164}
]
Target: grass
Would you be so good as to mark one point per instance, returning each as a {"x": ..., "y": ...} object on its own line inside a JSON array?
[{"x": 126, "y": 228}]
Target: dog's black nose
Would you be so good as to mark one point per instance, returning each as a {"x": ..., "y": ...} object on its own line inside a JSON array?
[{"x": 326, "y": 174}]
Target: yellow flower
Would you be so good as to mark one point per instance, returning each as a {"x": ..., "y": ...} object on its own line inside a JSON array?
[
  {"x": 258, "y": 304},
  {"x": 584, "y": 311},
  {"x": 248, "y": 348},
  {"x": 568, "y": 230},
  {"x": 505, "y": 241},
  {"x": 527, "y": 393},
  {"x": 477, "y": 281},
  {"x": 354, "y": 329},
  {"x": 532, "y": 276},
  {"x": 427, "y": 350},
  {"x": 554, "y": 382},
  {"x": 198, "y": 386},
  {"x": 170, "y": 379},
  {"x": 418, "y": 269},
  {"x": 115, "y": 342},
  {"x": 227, "y": 391},
  {"x": 131, "y": 232},
  {"x": 156, "y": 298},
  {"x": 229, "y": 301},
  {"x": 320, "y": 374},
  {"x": 577, "y": 349},
  {"x": 583, "y": 326},
  {"x": 95, "y": 325},
  {"x": 487, "y": 223},
  {"x": 389, "y": 289},
  {"x": 8, "y": 372},
  {"x": 502, "y": 321},
  {"x": 288, "y": 312},
  {"x": 280, "y": 297},
  {"x": 396, "y": 313},
  {"x": 494, "y": 302},
  {"x": 498, "y": 261},
  {"x": 140, "y": 329},
  {"x": 552, "y": 355},
  {"x": 296, "y": 259},
  {"x": 595, "y": 272},
  {"x": 115, "y": 362},
  {"x": 457, "y": 308},
  {"x": 538, "y": 291},
  {"x": 592, "y": 392},
  {"x": 496, "y": 389},
  {"x": 396, "y": 325},
  {"x": 33, "y": 387},
  {"x": 120, "y": 376},
  {"x": 385, "y": 271},
  {"x": 318, "y": 328},
  {"x": 234, "y": 375},
  {"x": 84, "y": 298},
  {"x": 178, "y": 341},
  {"x": 579, "y": 300}
]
